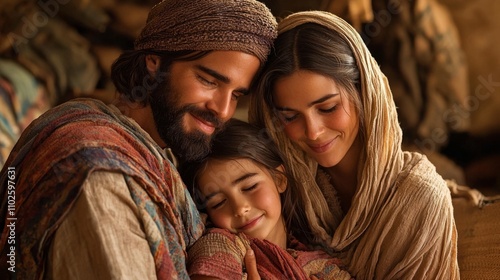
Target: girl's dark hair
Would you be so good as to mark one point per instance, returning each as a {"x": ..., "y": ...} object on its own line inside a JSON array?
[
  {"x": 132, "y": 79},
  {"x": 241, "y": 140},
  {"x": 314, "y": 48}
]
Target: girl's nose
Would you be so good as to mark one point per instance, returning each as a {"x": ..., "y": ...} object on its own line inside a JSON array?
[{"x": 241, "y": 207}]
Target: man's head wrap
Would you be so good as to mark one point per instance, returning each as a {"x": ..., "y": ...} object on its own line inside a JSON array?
[{"x": 205, "y": 25}]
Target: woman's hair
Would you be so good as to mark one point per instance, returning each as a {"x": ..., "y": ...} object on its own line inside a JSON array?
[
  {"x": 314, "y": 48},
  {"x": 323, "y": 43},
  {"x": 241, "y": 140},
  {"x": 132, "y": 79}
]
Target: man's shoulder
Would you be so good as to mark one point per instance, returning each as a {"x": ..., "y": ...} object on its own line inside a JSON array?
[
  {"x": 72, "y": 111},
  {"x": 85, "y": 134}
]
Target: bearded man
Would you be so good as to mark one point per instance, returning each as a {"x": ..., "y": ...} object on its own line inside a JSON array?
[{"x": 91, "y": 191}]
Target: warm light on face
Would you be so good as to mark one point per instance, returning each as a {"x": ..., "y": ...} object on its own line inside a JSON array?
[
  {"x": 243, "y": 197},
  {"x": 199, "y": 97},
  {"x": 316, "y": 116}
]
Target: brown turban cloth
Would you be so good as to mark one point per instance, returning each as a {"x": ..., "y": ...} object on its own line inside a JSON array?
[{"x": 205, "y": 25}]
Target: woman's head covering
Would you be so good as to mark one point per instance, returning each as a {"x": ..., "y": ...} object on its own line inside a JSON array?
[
  {"x": 206, "y": 25},
  {"x": 381, "y": 157},
  {"x": 400, "y": 224}
]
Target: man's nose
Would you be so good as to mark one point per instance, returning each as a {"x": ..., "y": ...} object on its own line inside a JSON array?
[{"x": 222, "y": 104}]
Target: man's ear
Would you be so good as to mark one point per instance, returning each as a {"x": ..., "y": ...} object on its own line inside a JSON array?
[
  {"x": 283, "y": 181},
  {"x": 152, "y": 64}
]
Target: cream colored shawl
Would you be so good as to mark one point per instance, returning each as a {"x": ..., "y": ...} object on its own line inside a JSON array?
[{"x": 400, "y": 224}]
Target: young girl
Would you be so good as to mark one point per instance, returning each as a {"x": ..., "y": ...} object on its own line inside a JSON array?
[{"x": 243, "y": 187}]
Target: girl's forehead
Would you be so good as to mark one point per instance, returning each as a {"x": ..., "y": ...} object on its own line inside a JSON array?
[
  {"x": 230, "y": 165},
  {"x": 226, "y": 172}
]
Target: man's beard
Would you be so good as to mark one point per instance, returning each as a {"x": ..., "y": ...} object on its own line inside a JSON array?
[{"x": 168, "y": 115}]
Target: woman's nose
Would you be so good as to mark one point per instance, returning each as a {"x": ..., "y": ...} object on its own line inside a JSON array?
[{"x": 313, "y": 128}]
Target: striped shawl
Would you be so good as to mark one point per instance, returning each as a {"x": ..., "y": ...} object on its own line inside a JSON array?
[{"x": 55, "y": 155}]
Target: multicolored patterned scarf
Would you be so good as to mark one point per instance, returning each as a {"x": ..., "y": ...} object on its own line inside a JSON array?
[
  {"x": 55, "y": 155},
  {"x": 220, "y": 254}
]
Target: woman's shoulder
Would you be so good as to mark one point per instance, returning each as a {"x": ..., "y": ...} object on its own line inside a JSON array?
[
  {"x": 417, "y": 169},
  {"x": 419, "y": 179}
]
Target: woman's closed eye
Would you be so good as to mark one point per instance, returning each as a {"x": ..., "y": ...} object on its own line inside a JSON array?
[
  {"x": 288, "y": 117},
  {"x": 328, "y": 110}
]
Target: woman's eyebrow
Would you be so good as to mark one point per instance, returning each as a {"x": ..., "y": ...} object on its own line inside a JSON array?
[
  {"x": 317, "y": 101},
  {"x": 322, "y": 99}
]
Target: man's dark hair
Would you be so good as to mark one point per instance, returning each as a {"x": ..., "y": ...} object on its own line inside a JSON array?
[{"x": 132, "y": 79}]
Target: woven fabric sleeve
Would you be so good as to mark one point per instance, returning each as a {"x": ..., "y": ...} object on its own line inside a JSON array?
[{"x": 217, "y": 254}]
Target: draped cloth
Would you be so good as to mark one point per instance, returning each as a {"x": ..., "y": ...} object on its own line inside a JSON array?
[
  {"x": 400, "y": 224},
  {"x": 221, "y": 254},
  {"x": 56, "y": 154}
]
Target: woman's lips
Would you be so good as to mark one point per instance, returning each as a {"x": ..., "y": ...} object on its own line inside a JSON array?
[{"x": 320, "y": 148}]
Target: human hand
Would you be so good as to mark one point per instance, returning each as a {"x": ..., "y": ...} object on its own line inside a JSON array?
[{"x": 251, "y": 265}]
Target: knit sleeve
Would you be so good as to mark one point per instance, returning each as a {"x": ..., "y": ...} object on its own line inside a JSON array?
[{"x": 217, "y": 254}]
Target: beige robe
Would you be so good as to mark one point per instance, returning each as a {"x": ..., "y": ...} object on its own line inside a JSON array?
[
  {"x": 413, "y": 235},
  {"x": 106, "y": 233}
]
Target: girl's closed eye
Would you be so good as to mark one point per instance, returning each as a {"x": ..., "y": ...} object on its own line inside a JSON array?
[
  {"x": 215, "y": 203},
  {"x": 252, "y": 187}
]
